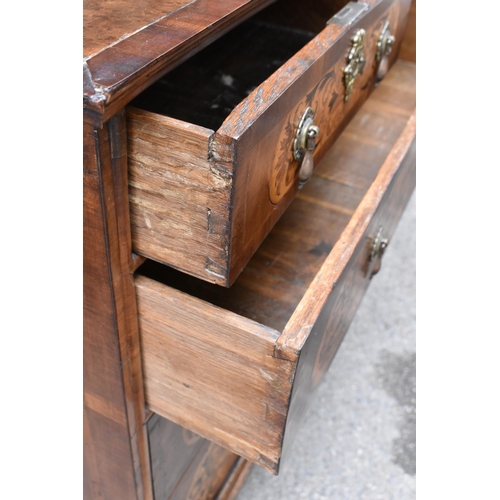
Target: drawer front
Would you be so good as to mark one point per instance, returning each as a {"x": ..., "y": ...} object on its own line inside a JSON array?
[
  {"x": 262, "y": 129},
  {"x": 332, "y": 299},
  {"x": 203, "y": 201},
  {"x": 244, "y": 385}
]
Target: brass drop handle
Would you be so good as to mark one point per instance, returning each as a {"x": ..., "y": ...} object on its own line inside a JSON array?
[
  {"x": 377, "y": 251},
  {"x": 384, "y": 48},
  {"x": 304, "y": 144}
]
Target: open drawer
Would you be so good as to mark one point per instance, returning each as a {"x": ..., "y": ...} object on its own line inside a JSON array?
[
  {"x": 240, "y": 366},
  {"x": 212, "y": 165}
]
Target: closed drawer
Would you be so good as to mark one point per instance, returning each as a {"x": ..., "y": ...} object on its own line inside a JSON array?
[
  {"x": 240, "y": 366},
  {"x": 208, "y": 182}
]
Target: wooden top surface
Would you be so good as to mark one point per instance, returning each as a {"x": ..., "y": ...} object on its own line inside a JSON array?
[
  {"x": 106, "y": 22},
  {"x": 128, "y": 44}
]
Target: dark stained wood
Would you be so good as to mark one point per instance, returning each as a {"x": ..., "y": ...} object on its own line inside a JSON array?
[
  {"x": 235, "y": 480},
  {"x": 408, "y": 50},
  {"x": 137, "y": 260},
  {"x": 203, "y": 202},
  {"x": 219, "y": 373},
  {"x": 116, "y": 423},
  {"x": 173, "y": 449},
  {"x": 303, "y": 15},
  {"x": 205, "y": 475},
  {"x": 116, "y": 455},
  {"x": 107, "y": 23},
  {"x": 125, "y": 62},
  {"x": 184, "y": 463}
]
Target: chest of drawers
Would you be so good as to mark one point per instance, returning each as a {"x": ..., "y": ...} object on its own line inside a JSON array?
[{"x": 239, "y": 365}]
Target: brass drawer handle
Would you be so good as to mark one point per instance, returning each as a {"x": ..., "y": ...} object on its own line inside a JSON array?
[
  {"x": 377, "y": 251},
  {"x": 304, "y": 144},
  {"x": 384, "y": 48}
]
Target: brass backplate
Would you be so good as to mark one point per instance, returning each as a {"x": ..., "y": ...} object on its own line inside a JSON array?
[{"x": 355, "y": 62}]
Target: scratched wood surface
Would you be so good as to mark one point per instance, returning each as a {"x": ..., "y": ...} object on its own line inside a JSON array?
[
  {"x": 238, "y": 362},
  {"x": 107, "y": 23},
  {"x": 116, "y": 455},
  {"x": 179, "y": 198},
  {"x": 234, "y": 185},
  {"x": 230, "y": 378},
  {"x": 123, "y": 56}
]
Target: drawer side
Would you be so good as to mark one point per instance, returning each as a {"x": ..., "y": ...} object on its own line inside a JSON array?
[
  {"x": 179, "y": 195},
  {"x": 213, "y": 372}
]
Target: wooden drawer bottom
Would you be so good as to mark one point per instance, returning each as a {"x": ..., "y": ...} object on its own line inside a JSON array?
[{"x": 240, "y": 366}]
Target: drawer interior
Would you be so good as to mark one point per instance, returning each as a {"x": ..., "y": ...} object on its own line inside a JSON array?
[
  {"x": 274, "y": 281},
  {"x": 212, "y": 83}
]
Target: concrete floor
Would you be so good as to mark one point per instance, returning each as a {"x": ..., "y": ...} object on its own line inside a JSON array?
[{"x": 358, "y": 440}]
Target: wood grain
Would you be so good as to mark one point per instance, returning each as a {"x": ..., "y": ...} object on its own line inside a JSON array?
[
  {"x": 116, "y": 455},
  {"x": 185, "y": 464},
  {"x": 264, "y": 124},
  {"x": 116, "y": 437},
  {"x": 236, "y": 382},
  {"x": 276, "y": 278},
  {"x": 408, "y": 50},
  {"x": 335, "y": 294},
  {"x": 216, "y": 372},
  {"x": 107, "y": 23},
  {"x": 173, "y": 450},
  {"x": 204, "y": 202},
  {"x": 119, "y": 70},
  {"x": 235, "y": 480},
  {"x": 179, "y": 197},
  {"x": 299, "y": 327},
  {"x": 205, "y": 475}
]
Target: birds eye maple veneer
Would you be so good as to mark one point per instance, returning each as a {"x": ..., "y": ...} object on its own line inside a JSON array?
[{"x": 190, "y": 182}]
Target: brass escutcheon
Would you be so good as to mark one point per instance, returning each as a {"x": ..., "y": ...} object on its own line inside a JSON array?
[
  {"x": 355, "y": 62},
  {"x": 384, "y": 48},
  {"x": 304, "y": 144}
]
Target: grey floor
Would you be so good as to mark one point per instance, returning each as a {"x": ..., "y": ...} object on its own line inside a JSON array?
[{"x": 358, "y": 440}]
